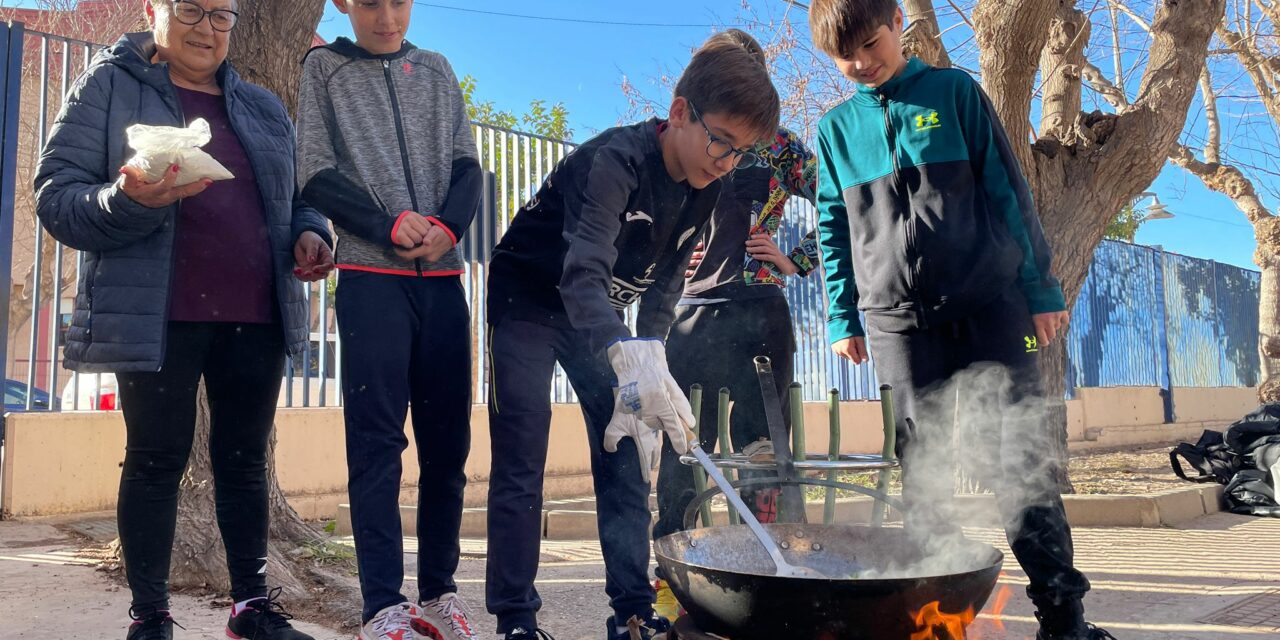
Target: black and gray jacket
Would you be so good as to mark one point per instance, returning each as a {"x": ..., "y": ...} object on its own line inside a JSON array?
[
  {"x": 607, "y": 228},
  {"x": 122, "y": 306},
  {"x": 381, "y": 137}
]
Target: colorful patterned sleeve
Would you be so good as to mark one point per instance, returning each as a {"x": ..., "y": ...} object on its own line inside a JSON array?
[
  {"x": 800, "y": 175},
  {"x": 795, "y": 170}
]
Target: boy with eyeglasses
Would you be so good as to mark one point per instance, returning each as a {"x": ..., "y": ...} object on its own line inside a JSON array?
[
  {"x": 733, "y": 309},
  {"x": 614, "y": 223}
]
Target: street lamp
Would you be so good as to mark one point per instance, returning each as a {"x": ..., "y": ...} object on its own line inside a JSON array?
[{"x": 1156, "y": 210}]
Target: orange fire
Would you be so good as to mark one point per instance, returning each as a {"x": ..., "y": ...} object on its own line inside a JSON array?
[
  {"x": 934, "y": 624},
  {"x": 997, "y": 607}
]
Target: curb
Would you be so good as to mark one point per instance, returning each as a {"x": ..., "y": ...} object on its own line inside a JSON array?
[{"x": 577, "y": 519}]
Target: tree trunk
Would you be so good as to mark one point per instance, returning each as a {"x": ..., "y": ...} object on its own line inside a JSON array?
[
  {"x": 923, "y": 37},
  {"x": 1083, "y": 173},
  {"x": 1011, "y": 35},
  {"x": 270, "y": 41},
  {"x": 198, "y": 558},
  {"x": 1060, "y": 64},
  {"x": 1268, "y": 257}
]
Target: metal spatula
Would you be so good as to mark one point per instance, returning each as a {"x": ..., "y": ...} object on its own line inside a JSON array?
[{"x": 782, "y": 567}]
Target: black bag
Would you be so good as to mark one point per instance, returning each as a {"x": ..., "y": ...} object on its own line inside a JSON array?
[
  {"x": 1246, "y": 459},
  {"x": 1209, "y": 456}
]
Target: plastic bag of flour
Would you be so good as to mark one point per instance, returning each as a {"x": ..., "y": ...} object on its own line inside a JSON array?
[{"x": 159, "y": 148}]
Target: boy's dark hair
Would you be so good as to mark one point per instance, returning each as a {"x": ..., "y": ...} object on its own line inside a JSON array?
[
  {"x": 839, "y": 27},
  {"x": 728, "y": 75}
]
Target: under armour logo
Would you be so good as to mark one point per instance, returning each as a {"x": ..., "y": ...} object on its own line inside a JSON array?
[
  {"x": 929, "y": 121},
  {"x": 1033, "y": 345},
  {"x": 632, "y": 216}
]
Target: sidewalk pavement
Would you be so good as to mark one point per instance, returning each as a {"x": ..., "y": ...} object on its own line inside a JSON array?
[{"x": 1215, "y": 578}]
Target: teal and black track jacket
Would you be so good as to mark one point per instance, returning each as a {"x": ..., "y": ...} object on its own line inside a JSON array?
[{"x": 919, "y": 194}]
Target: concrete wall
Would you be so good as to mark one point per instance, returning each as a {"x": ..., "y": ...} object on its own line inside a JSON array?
[
  {"x": 1192, "y": 404},
  {"x": 70, "y": 462}
]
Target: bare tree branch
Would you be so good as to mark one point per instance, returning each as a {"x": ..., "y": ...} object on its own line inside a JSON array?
[
  {"x": 1213, "y": 124},
  {"x": 923, "y": 37},
  {"x": 1254, "y": 62},
  {"x": 1061, "y": 61},
  {"x": 1133, "y": 15},
  {"x": 1115, "y": 50},
  {"x": 1097, "y": 80},
  {"x": 1224, "y": 179}
]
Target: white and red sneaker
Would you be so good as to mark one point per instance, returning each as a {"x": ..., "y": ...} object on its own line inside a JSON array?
[
  {"x": 449, "y": 615},
  {"x": 404, "y": 621}
]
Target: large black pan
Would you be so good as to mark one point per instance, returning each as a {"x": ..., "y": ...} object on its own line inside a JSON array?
[{"x": 726, "y": 582}]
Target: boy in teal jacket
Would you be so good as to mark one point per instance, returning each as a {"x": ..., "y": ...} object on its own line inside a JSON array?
[{"x": 920, "y": 196}]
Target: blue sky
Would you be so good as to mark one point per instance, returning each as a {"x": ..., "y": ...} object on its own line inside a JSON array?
[{"x": 518, "y": 59}]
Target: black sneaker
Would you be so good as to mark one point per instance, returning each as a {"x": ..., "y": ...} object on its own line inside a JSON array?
[
  {"x": 155, "y": 625},
  {"x": 1066, "y": 622},
  {"x": 264, "y": 619},
  {"x": 524, "y": 633},
  {"x": 1090, "y": 632},
  {"x": 654, "y": 626}
]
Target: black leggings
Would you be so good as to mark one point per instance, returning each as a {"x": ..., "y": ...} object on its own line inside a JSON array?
[{"x": 242, "y": 365}]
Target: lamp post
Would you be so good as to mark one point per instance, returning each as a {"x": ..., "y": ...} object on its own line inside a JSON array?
[{"x": 1155, "y": 211}]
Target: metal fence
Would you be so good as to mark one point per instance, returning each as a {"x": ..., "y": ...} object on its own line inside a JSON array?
[{"x": 1144, "y": 317}]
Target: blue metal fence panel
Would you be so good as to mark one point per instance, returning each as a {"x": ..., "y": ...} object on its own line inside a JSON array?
[
  {"x": 817, "y": 369},
  {"x": 1237, "y": 316},
  {"x": 1113, "y": 337},
  {"x": 1195, "y": 344}
]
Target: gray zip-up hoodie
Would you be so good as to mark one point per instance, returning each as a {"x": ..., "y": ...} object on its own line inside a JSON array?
[{"x": 381, "y": 137}]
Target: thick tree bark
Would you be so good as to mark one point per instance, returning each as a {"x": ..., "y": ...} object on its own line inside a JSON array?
[
  {"x": 1011, "y": 35},
  {"x": 1061, "y": 63},
  {"x": 270, "y": 40},
  {"x": 923, "y": 37}
]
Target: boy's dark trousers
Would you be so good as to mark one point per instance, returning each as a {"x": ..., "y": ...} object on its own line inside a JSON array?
[
  {"x": 523, "y": 358},
  {"x": 1005, "y": 434},
  {"x": 406, "y": 346},
  {"x": 715, "y": 345}
]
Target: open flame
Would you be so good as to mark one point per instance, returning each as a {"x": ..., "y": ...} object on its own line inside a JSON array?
[
  {"x": 934, "y": 624},
  {"x": 997, "y": 607}
]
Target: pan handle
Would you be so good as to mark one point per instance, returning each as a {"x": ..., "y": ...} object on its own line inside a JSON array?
[{"x": 691, "y": 512}]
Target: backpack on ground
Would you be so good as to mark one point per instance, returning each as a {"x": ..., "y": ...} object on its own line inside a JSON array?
[{"x": 1246, "y": 458}]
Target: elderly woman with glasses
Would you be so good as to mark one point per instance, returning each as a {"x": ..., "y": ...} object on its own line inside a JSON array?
[{"x": 182, "y": 281}]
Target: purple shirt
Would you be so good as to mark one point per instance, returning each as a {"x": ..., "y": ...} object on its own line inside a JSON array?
[{"x": 222, "y": 256}]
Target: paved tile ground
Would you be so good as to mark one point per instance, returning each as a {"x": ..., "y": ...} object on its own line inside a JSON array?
[{"x": 1217, "y": 578}]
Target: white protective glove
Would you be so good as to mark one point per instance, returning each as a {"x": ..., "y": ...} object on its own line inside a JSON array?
[
  {"x": 648, "y": 440},
  {"x": 647, "y": 390}
]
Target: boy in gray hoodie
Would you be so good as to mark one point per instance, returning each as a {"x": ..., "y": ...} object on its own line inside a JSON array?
[{"x": 385, "y": 150}]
